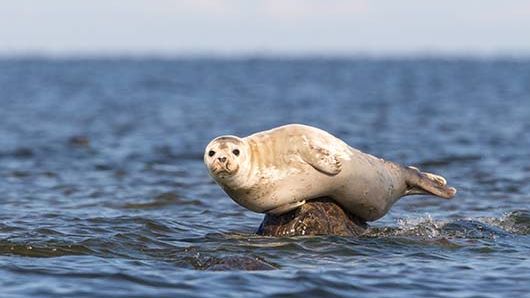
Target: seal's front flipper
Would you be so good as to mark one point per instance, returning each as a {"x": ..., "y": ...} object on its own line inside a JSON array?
[
  {"x": 321, "y": 159},
  {"x": 421, "y": 183}
]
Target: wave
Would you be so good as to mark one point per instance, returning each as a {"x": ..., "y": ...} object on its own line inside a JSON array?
[{"x": 511, "y": 223}]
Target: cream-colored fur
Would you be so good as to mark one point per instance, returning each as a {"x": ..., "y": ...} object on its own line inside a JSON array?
[{"x": 279, "y": 169}]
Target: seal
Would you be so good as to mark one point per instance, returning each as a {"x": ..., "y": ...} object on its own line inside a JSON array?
[{"x": 278, "y": 170}]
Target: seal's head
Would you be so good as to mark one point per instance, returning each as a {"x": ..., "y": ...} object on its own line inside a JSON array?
[{"x": 226, "y": 158}]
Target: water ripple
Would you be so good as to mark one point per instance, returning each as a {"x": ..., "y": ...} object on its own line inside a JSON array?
[{"x": 104, "y": 192}]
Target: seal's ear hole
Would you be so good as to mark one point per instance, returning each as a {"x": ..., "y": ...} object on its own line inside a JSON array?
[
  {"x": 211, "y": 153},
  {"x": 236, "y": 152}
]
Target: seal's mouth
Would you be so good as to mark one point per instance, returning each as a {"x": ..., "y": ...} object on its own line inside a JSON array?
[{"x": 223, "y": 169}]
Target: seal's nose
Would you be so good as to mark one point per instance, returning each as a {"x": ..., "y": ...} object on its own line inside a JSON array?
[{"x": 222, "y": 159}]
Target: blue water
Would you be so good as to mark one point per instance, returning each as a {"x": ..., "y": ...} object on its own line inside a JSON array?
[{"x": 103, "y": 192}]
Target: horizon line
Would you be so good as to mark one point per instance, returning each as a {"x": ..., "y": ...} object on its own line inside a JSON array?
[{"x": 242, "y": 55}]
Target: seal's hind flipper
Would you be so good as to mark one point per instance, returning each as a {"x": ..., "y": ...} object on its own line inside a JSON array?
[
  {"x": 321, "y": 159},
  {"x": 421, "y": 183}
]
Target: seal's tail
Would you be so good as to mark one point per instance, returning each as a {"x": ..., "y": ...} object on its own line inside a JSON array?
[{"x": 421, "y": 183}]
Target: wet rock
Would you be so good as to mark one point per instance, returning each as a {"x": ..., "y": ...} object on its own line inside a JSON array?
[
  {"x": 23, "y": 153},
  {"x": 20, "y": 174},
  {"x": 79, "y": 141},
  {"x": 235, "y": 263},
  {"x": 50, "y": 174},
  {"x": 67, "y": 191},
  {"x": 103, "y": 167},
  {"x": 316, "y": 217},
  {"x": 120, "y": 173},
  {"x": 162, "y": 200}
]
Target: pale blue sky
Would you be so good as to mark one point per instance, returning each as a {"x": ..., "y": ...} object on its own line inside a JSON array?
[{"x": 293, "y": 27}]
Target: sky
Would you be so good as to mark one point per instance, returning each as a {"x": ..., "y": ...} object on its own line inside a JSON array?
[{"x": 276, "y": 27}]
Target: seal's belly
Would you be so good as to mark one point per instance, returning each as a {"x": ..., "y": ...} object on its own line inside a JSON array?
[
  {"x": 368, "y": 187},
  {"x": 273, "y": 191}
]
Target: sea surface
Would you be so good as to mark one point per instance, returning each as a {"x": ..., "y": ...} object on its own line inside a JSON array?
[{"x": 103, "y": 192}]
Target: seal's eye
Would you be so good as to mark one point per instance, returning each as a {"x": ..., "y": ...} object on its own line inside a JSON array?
[
  {"x": 236, "y": 152},
  {"x": 211, "y": 153}
]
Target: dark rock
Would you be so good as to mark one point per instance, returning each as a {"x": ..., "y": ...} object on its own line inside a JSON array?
[
  {"x": 23, "y": 153},
  {"x": 50, "y": 174},
  {"x": 120, "y": 173},
  {"x": 79, "y": 141},
  {"x": 316, "y": 217},
  {"x": 235, "y": 263},
  {"x": 162, "y": 200},
  {"x": 20, "y": 174},
  {"x": 103, "y": 167}
]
